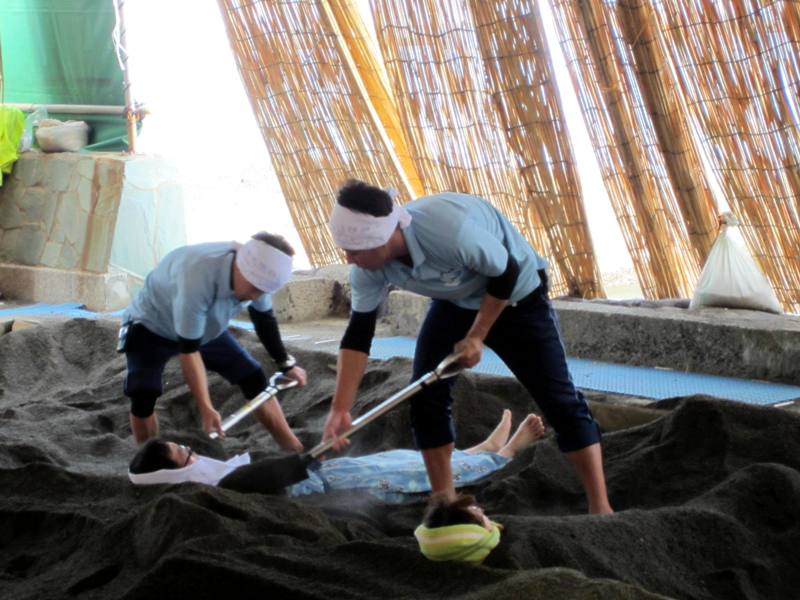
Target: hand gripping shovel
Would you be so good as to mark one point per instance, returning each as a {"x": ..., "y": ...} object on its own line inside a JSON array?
[
  {"x": 271, "y": 476},
  {"x": 277, "y": 383}
]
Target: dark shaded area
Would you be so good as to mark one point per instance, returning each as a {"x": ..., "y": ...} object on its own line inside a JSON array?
[{"x": 708, "y": 497}]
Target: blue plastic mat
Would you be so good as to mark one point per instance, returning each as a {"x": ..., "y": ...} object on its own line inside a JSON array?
[
  {"x": 69, "y": 309},
  {"x": 644, "y": 382}
]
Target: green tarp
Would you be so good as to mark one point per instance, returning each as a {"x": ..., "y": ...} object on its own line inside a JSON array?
[{"x": 61, "y": 52}]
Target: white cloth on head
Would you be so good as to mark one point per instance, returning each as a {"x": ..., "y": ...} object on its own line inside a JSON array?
[
  {"x": 263, "y": 265},
  {"x": 359, "y": 231},
  {"x": 203, "y": 470}
]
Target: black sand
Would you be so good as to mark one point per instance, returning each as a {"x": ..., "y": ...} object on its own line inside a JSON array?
[{"x": 708, "y": 498}]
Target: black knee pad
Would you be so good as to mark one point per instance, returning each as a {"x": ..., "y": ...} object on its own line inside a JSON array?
[
  {"x": 143, "y": 405},
  {"x": 253, "y": 384}
]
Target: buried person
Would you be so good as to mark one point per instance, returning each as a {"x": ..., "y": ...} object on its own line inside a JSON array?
[
  {"x": 488, "y": 286},
  {"x": 184, "y": 309},
  {"x": 456, "y": 529},
  {"x": 391, "y": 475}
]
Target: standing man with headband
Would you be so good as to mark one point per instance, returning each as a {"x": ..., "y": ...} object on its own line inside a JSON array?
[
  {"x": 184, "y": 309},
  {"x": 488, "y": 287}
]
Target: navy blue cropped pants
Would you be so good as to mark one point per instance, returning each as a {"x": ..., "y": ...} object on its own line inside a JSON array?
[
  {"x": 526, "y": 337},
  {"x": 147, "y": 354}
]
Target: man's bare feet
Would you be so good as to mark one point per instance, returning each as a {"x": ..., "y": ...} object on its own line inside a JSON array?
[
  {"x": 530, "y": 430},
  {"x": 498, "y": 438}
]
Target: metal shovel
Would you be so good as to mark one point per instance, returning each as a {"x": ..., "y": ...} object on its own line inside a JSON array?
[
  {"x": 271, "y": 476},
  {"x": 277, "y": 383}
]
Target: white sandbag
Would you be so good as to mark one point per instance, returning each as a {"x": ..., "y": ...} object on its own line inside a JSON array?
[
  {"x": 53, "y": 135},
  {"x": 731, "y": 278}
]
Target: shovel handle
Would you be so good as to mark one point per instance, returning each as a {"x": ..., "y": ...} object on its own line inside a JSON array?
[
  {"x": 449, "y": 367},
  {"x": 277, "y": 383}
]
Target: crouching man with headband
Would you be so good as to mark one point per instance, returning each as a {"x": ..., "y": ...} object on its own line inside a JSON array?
[
  {"x": 184, "y": 310},
  {"x": 488, "y": 286}
]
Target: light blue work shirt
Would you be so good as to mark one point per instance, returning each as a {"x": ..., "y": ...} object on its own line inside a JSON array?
[
  {"x": 189, "y": 294},
  {"x": 456, "y": 243},
  {"x": 394, "y": 475}
]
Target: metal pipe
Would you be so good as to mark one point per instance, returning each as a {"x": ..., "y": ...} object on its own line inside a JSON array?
[
  {"x": 70, "y": 109},
  {"x": 130, "y": 107},
  {"x": 277, "y": 383},
  {"x": 449, "y": 367}
]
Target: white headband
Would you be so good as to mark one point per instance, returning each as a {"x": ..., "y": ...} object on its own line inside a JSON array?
[
  {"x": 263, "y": 265},
  {"x": 203, "y": 470},
  {"x": 359, "y": 231}
]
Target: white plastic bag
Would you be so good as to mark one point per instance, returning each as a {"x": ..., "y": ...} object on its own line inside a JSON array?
[
  {"x": 731, "y": 278},
  {"x": 53, "y": 135},
  {"x": 32, "y": 120}
]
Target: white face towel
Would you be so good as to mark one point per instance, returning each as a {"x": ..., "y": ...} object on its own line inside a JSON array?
[
  {"x": 359, "y": 231},
  {"x": 263, "y": 265},
  {"x": 203, "y": 470}
]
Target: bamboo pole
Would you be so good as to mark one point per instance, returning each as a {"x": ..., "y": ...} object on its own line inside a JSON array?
[{"x": 131, "y": 113}]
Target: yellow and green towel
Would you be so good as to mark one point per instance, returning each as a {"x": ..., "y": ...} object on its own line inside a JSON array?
[
  {"x": 467, "y": 542},
  {"x": 12, "y": 122}
]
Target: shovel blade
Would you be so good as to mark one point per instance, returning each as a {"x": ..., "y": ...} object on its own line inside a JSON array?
[{"x": 268, "y": 476}]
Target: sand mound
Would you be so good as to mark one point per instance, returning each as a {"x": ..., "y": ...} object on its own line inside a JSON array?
[{"x": 709, "y": 497}]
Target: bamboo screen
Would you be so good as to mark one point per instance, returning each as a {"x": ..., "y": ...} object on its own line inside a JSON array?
[
  {"x": 462, "y": 131},
  {"x": 464, "y": 101},
  {"x": 370, "y": 68},
  {"x": 522, "y": 84},
  {"x": 314, "y": 110},
  {"x": 614, "y": 83},
  {"x": 737, "y": 63}
]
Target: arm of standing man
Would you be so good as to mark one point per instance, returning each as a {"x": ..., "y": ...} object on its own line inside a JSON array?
[
  {"x": 350, "y": 367},
  {"x": 190, "y": 312},
  {"x": 498, "y": 290},
  {"x": 266, "y": 326},
  {"x": 471, "y": 347},
  {"x": 194, "y": 372}
]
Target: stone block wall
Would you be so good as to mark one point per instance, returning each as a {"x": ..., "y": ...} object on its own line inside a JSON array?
[{"x": 86, "y": 227}]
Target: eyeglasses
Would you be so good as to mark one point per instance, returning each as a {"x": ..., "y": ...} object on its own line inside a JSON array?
[{"x": 189, "y": 454}]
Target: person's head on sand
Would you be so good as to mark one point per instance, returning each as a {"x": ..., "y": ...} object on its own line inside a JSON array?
[
  {"x": 158, "y": 454},
  {"x": 456, "y": 530},
  {"x": 464, "y": 510}
]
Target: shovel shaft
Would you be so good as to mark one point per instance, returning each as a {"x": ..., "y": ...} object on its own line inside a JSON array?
[
  {"x": 449, "y": 367},
  {"x": 245, "y": 410},
  {"x": 270, "y": 392},
  {"x": 376, "y": 412}
]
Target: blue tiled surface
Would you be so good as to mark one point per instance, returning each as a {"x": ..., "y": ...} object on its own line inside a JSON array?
[
  {"x": 69, "y": 309},
  {"x": 644, "y": 382}
]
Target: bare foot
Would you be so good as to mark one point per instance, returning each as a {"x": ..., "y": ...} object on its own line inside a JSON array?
[
  {"x": 498, "y": 438},
  {"x": 530, "y": 430}
]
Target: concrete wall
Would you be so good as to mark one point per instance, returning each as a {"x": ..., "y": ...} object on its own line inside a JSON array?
[
  {"x": 66, "y": 230},
  {"x": 736, "y": 343}
]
